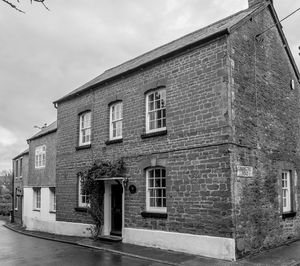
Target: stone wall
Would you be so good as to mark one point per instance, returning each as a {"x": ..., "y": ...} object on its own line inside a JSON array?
[{"x": 266, "y": 124}]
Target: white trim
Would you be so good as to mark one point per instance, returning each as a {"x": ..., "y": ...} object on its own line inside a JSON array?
[
  {"x": 148, "y": 130},
  {"x": 119, "y": 120},
  {"x": 35, "y": 201},
  {"x": 148, "y": 207},
  {"x": 80, "y": 203},
  {"x": 208, "y": 246},
  {"x": 40, "y": 156},
  {"x": 286, "y": 188},
  {"x": 83, "y": 128}
]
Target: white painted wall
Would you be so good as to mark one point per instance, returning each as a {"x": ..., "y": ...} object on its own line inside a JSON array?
[
  {"x": 214, "y": 247},
  {"x": 42, "y": 220},
  {"x": 45, "y": 221}
]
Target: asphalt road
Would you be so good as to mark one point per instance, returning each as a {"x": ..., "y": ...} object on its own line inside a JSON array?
[{"x": 17, "y": 249}]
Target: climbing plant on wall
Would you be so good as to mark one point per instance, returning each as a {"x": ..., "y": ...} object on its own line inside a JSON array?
[{"x": 93, "y": 186}]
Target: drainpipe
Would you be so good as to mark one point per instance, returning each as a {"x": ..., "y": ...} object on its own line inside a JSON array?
[{"x": 12, "y": 212}]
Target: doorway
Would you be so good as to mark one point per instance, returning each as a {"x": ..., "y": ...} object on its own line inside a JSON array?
[{"x": 116, "y": 209}]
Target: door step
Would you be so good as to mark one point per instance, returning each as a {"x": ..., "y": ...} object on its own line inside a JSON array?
[{"x": 110, "y": 238}]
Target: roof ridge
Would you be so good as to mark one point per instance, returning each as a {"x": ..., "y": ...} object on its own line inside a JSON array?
[
  {"x": 164, "y": 50},
  {"x": 186, "y": 35}
]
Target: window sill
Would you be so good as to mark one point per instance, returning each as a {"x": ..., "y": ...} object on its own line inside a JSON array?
[
  {"x": 36, "y": 210},
  {"x": 52, "y": 211},
  {"x": 154, "y": 134},
  {"x": 80, "y": 209},
  {"x": 113, "y": 141},
  {"x": 288, "y": 215},
  {"x": 82, "y": 147},
  {"x": 154, "y": 215}
]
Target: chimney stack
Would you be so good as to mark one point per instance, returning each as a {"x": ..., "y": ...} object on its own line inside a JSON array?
[{"x": 252, "y": 3}]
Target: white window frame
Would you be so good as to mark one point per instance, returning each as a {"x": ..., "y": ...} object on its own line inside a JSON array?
[
  {"x": 116, "y": 120},
  {"x": 286, "y": 191},
  {"x": 160, "y": 209},
  {"x": 37, "y": 198},
  {"x": 85, "y": 122},
  {"x": 52, "y": 193},
  {"x": 21, "y": 167},
  {"x": 40, "y": 156},
  {"x": 156, "y": 110},
  {"x": 16, "y": 168},
  {"x": 83, "y": 199},
  {"x": 16, "y": 200}
]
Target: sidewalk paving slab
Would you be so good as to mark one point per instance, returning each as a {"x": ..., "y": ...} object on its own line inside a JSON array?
[{"x": 287, "y": 255}]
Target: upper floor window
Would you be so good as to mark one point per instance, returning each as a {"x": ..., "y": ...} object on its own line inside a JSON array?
[
  {"x": 156, "y": 110},
  {"x": 85, "y": 128},
  {"x": 286, "y": 191},
  {"x": 116, "y": 117},
  {"x": 21, "y": 167},
  {"x": 156, "y": 190},
  {"x": 83, "y": 199},
  {"x": 16, "y": 168},
  {"x": 40, "y": 156}
]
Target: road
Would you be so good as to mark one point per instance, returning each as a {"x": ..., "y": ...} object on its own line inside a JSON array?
[{"x": 17, "y": 249}]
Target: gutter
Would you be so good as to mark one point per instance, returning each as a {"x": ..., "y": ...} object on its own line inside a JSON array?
[
  {"x": 20, "y": 155},
  {"x": 155, "y": 60},
  {"x": 43, "y": 134}
]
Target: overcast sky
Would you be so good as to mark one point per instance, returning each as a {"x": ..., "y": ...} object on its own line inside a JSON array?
[{"x": 44, "y": 55}]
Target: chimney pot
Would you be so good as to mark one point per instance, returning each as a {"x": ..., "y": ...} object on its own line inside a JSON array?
[{"x": 252, "y": 3}]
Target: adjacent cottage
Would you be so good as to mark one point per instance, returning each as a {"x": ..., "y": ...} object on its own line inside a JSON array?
[
  {"x": 20, "y": 175},
  {"x": 40, "y": 187}
]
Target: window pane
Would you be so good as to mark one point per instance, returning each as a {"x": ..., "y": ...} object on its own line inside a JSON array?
[
  {"x": 157, "y": 172},
  {"x": 164, "y": 203},
  {"x": 157, "y": 182},
  {"x": 151, "y": 183},
  {"x": 152, "y": 202},
  {"x": 158, "y": 202},
  {"x": 151, "y": 173},
  {"x": 151, "y": 97}
]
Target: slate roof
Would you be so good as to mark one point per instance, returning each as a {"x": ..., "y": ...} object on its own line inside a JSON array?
[
  {"x": 21, "y": 154},
  {"x": 223, "y": 25},
  {"x": 45, "y": 131}
]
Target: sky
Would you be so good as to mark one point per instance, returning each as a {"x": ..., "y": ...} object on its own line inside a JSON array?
[{"x": 46, "y": 54}]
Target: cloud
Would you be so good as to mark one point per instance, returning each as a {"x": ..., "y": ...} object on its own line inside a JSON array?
[{"x": 7, "y": 138}]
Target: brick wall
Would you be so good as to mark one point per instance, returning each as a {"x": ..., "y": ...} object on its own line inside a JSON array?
[
  {"x": 44, "y": 176},
  {"x": 196, "y": 158},
  {"x": 266, "y": 123}
]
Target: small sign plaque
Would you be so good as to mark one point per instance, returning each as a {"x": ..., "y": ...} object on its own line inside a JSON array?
[{"x": 244, "y": 171}]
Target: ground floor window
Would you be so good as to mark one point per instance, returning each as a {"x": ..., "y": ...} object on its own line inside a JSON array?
[
  {"x": 16, "y": 199},
  {"x": 52, "y": 199},
  {"x": 286, "y": 191},
  {"x": 83, "y": 199},
  {"x": 156, "y": 190},
  {"x": 37, "y": 198}
]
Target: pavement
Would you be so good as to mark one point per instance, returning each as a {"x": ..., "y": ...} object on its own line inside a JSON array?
[{"x": 286, "y": 255}]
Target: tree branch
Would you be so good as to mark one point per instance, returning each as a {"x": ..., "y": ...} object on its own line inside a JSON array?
[
  {"x": 16, "y": 8},
  {"x": 13, "y": 6}
]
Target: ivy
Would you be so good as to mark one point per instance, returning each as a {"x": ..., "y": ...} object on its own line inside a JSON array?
[{"x": 92, "y": 185}]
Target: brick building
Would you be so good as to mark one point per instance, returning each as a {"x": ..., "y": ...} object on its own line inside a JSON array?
[
  {"x": 20, "y": 175},
  {"x": 208, "y": 128},
  {"x": 39, "y": 188}
]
